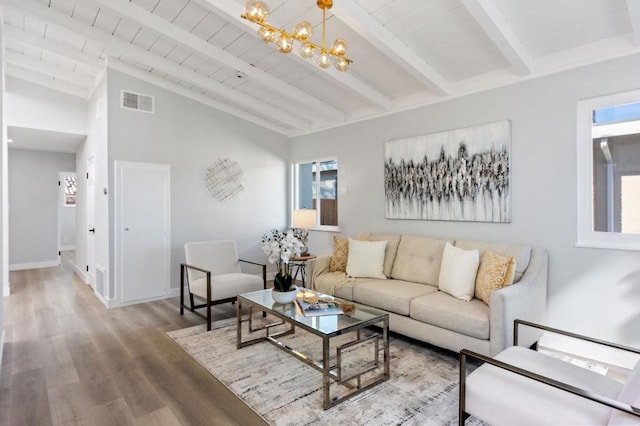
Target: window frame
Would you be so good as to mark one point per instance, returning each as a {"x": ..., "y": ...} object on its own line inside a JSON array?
[
  {"x": 586, "y": 235},
  {"x": 295, "y": 191}
]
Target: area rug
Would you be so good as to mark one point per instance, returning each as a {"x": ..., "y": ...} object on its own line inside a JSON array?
[{"x": 422, "y": 390}]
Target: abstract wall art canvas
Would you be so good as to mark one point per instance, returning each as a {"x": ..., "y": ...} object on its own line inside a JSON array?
[
  {"x": 224, "y": 179},
  {"x": 461, "y": 175}
]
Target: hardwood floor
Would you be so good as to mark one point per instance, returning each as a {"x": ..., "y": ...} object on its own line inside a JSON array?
[{"x": 68, "y": 360}]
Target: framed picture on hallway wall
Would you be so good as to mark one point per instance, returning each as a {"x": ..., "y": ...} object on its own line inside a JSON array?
[{"x": 457, "y": 175}]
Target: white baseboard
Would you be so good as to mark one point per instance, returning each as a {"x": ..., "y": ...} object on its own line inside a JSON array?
[
  {"x": 67, "y": 248},
  {"x": 33, "y": 265},
  {"x": 174, "y": 292}
]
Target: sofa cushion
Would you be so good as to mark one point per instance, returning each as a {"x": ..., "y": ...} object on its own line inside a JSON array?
[
  {"x": 442, "y": 310},
  {"x": 495, "y": 272},
  {"x": 521, "y": 253},
  {"x": 418, "y": 259},
  {"x": 629, "y": 394},
  {"x": 458, "y": 272},
  {"x": 224, "y": 286},
  {"x": 366, "y": 259},
  {"x": 525, "y": 402},
  {"x": 392, "y": 247},
  {"x": 340, "y": 254},
  {"x": 391, "y": 295},
  {"x": 329, "y": 282}
]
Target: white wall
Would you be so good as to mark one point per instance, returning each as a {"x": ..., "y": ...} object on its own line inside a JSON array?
[
  {"x": 4, "y": 191},
  {"x": 94, "y": 146},
  {"x": 189, "y": 137},
  {"x": 590, "y": 291},
  {"x": 34, "y": 205},
  {"x": 37, "y": 107}
]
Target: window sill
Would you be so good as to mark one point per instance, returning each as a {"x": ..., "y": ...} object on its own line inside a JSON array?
[
  {"x": 610, "y": 241},
  {"x": 325, "y": 229}
]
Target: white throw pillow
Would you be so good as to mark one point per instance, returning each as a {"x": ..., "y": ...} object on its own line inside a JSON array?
[
  {"x": 458, "y": 272},
  {"x": 366, "y": 259}
]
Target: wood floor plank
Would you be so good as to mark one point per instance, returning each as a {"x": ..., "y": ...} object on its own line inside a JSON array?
[
  {"x": 139, "y": 394},
  {"x": 161, "y": 417},
  {"x": 29, "y": 403},
  {"x": 58, "y": 365},
  {"x": 70, "y": 361}
]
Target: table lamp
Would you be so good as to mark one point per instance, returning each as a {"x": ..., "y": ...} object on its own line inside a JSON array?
[{"x": 302, "y": 220}]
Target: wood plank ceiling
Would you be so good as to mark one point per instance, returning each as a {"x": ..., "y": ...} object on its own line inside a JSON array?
[{"x": 407, "y": 52}]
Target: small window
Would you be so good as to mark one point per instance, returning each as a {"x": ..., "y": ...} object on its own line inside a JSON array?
[
  {"x": 609, "y": 171},
  {"x": 316, "y": 188}
]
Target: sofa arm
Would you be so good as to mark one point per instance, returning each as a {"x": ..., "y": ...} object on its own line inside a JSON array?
[
  {"x": 526, "y": 299},
  {"x": 320, "y": 266}
]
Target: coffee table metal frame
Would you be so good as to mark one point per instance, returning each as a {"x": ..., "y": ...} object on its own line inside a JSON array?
[{"x": 260, "y": 300}]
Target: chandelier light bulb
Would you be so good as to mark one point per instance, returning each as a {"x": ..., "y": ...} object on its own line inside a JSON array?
[
  {"x": 342, "y": 64},
  {"x": 256, "y": 11},
  {"x": 339, "y": 47},
  {"x": 307, "y": 50},
  {"x": 267, "y": 35},
  {"x": 324, "y": 60},
  {"x": 302, "y": 31},
  {"x": 284, "y": 43}
]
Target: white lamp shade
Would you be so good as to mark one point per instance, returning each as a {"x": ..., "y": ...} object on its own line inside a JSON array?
[{"x": 304, "y": 219}]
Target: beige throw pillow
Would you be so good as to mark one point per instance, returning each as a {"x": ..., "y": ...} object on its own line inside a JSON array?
[
  {"x": 458, "y": 272},
  {"x": 494, "y": 273},
  {"x": 340, "y": 254},
  {"x": 366, "y": 259}
]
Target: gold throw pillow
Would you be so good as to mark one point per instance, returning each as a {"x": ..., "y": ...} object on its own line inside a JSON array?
[
  {"x": 494, "y": 273},
  {"x": 340, "y": 254}
]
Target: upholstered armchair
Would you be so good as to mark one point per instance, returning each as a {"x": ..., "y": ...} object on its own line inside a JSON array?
[
  {"x": 523, "y": 386},
  {"x": 212, "y": 273}
]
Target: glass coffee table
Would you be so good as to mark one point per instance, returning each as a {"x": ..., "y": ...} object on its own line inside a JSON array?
[{"x": 353, "y": 374}]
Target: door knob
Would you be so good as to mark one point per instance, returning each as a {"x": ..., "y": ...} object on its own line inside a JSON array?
[{"x": 92, "y": 230}]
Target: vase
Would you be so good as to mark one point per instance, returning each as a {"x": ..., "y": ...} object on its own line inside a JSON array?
[{"x": 284, "y": 296}]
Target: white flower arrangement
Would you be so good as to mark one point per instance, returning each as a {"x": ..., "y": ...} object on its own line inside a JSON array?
[{"x": 280, "y": 247}]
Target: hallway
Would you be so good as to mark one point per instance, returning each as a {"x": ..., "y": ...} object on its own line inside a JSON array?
[{"x": 68, "y": 360}]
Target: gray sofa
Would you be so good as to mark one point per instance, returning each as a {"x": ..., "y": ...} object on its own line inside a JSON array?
[{"x": 419, "y": 310}]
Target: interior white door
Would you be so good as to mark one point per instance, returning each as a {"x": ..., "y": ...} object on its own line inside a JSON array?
[
  {"x": 91, "y": 226},
  {"x": 142, "y": 225}
]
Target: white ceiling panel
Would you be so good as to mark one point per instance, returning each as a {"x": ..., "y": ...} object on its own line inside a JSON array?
[{"x": 406, "y": 52}]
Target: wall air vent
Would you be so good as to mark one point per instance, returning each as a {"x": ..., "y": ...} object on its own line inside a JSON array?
[{"x": 137, "y": 101}]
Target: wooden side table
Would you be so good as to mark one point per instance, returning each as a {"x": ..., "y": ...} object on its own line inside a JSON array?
[{"x": 300, "y": 262}]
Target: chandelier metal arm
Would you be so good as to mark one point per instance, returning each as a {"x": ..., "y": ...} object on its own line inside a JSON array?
[
  {"x": 282, "y": 31},
  {"x": 257, "y": 12}
]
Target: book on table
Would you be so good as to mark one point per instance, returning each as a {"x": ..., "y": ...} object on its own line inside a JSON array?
[{"x": 319, "y": 308}]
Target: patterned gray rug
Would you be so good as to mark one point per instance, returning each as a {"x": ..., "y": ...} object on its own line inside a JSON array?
[{"x": 422, "y": 390}]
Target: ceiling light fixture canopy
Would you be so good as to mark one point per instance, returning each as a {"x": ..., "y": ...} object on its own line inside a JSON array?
[{"x": 258, "y": 12}]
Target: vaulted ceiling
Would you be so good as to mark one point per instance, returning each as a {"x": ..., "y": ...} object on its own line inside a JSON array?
[{"x": 406, "y": 53}]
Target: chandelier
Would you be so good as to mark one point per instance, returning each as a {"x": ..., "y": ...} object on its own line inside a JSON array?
[{"x": 258, "y": 12}]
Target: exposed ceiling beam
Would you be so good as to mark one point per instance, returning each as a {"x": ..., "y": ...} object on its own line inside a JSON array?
[
  {"x": 165, "y": 84},
  {"x": 358, "y": 19},
  {"x": 230, "y": 10},
  {"x": 16, "y": 71},
  {"x": 117, "y": 46},
  {"x": 486, "y": 13},
  {"x": 633, "y": 6},
  {"x": 36, "y": 40},
  {"x": 34, "y": 64},
  {"x": 192, "y": 42}
]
